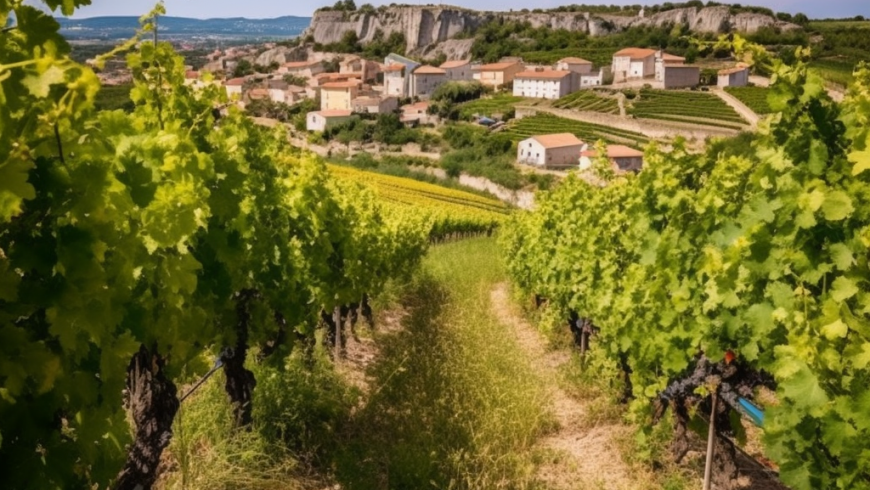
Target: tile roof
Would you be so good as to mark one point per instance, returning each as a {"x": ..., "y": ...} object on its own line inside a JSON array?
[
  {"x": 334, "y": 113},
  {"x": 546, "y": 74},
  {"x": 428, "y": 70},
  {"x": 236, "y": 82},
  {"x": 454, "y": 64},
  {"x": 498, "y": 66},
  {"x": 635, "y": 53},
  {"x": 615, "y": 151},
  {"x": 259, "y": 93},
  {"x": 299, "y": 64},
  {"x": 575, "y": 61},
  {"x": 341, "y": 85},
  {"x": 672, "y": 57},
  {"x": 191, "y": 74},
  {"x": 559, "y": 140}
]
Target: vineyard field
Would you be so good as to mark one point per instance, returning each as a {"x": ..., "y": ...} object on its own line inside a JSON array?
[
  {"x": 498, "y": 104},
  {"x": 754, "y": 97},
  {"x": 685, "y": 106},
  {"x": 545, "y": 123},
  {"x": 450, "y": 210},
  {"x": 588, "y": 100}
]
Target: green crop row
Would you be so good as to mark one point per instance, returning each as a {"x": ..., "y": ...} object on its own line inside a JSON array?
[
  {"x": 754, "y": 97},
  {"x": 548, "y": 124}
]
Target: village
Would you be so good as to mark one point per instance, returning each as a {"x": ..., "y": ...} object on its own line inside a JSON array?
[{"x": 347, "y": 86}]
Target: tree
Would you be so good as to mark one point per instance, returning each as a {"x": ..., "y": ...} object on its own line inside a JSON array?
[
  {"x": 800, "y": 19},
  {"x": 243, "y": 69}
]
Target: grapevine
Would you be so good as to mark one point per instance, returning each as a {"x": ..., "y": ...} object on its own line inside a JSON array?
[
  {"x": 764, "y": 255},
  {"x": 132, "y": 243}
]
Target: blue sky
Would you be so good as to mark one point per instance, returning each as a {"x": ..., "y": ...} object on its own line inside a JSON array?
[{"x": 272, "y": 8}]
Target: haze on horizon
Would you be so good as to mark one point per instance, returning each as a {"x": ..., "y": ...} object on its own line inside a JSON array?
[{"x": 261, "y": 9}]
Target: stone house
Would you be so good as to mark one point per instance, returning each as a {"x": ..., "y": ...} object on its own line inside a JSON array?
[
  {"x": 277, "y": 90},
  {"x": 414, "y": 114},
  {"x": 733, "y": 77},
  {"x": 375, "y": 105},
  {"x": 394, "y": 80},
  {"x": 633, "y": 63},
  {"x": 457, "y": 70},
  {"x": 338, "y": 95},
  {"x": 424, "y": 80},
  {"x": 681, "y": 76},
  {"x": 545, "y": 84},
  {"x": 622, "y": 157},
  {"x": 234, "y": 87},
  {"x": 498, "y": 74},
  {"x": 321, "y": 120},
  {"x": 574, "y": 65},
  {"x": 550, "y": 151},
  {"x": 666, "y": 59},
  {"x": 303, "y": 69}
]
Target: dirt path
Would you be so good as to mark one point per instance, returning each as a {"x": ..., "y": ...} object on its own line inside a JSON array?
[{"x": 586, "y": 455}]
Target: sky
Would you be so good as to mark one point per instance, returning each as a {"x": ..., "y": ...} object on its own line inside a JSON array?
[{"x": 304, "y": 8}]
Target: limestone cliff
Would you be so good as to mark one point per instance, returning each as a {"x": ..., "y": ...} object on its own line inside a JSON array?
[{"x": 427, "y": 26}]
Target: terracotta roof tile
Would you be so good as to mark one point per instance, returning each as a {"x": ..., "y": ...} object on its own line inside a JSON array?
[
  {"x": 635, "y": 53},
  {"x": 575, "y": 61},
  {"x": 498, "y": 66},
  {"x": 558, "y": 140},
  {"x": 236, "y": 82},
  {"x": 672, "y": 57},
  {"x": 454, "y": 64},
  {"x": 334, "y": 113},
  {"x": 340, "y": 85},
  {"x": 428, "y": 70}
]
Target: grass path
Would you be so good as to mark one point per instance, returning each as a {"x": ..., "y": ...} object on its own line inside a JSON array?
[
  {"x": 454, "y": 390},
  {"x": 464, "y": 391}
]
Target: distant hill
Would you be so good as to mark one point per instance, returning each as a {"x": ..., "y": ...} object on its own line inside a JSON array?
[{"x": 179, "y": 28}]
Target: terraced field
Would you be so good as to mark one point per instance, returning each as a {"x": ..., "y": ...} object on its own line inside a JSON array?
[
  {"x": 686, "y": 107},
  {"x": 526, "y": 127},
  {"x": 588, "y": 100},
  {"x": 449, "y": 210},
  {"x": 489, "y": 106},
  {"x": 754, "y": 97}
]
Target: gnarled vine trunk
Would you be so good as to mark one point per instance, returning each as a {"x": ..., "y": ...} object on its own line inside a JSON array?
[
  {"x": 240, "y": 382},
  {"x": 153, "y": 403}
]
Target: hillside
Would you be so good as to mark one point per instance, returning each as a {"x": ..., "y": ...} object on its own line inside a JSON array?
[{"x": 426, "y": 26}]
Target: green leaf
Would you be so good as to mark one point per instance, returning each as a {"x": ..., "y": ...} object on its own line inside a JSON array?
[
  {"x": 837, "y": 206},
  {"x": 40, "y": 85},
  {"x": 843, "y": 289},
  {"x": 861, "y": 159},
  {"x": 798, "y": 382},
  {"x": 835, "y": 330},
  {"x": 842, "y": 256}
]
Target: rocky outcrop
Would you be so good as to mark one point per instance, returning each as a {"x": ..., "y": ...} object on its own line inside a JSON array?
[
  {"x": 281, "y": 55},
  {"x": 422, "y": 26},
  {"x": 425, "y": 27}
]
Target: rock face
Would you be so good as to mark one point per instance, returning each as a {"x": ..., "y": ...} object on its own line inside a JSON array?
[
  {"x": 422, "y": 26},
  {"x": 281, "y": 55},
  {"x": 425, "y": 27}
]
